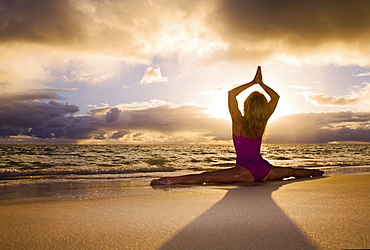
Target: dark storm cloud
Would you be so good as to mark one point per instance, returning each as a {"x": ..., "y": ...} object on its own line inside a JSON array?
[
  {"x": 24, "y": 113},
  {"x": 29, "y": 114},
  {"x": 81, "y": 127},
  {"x": 24, "y": 110},
  {"x": 321, "y": 128},
  {"x": 258, "y": 29},
  {"x": 70, "y": 127},
  {"x": 119, "y": 134},
  {"x": 40, "y": 21},
  {"x": 52, "y": 119},
  {"x": 112, "y": 115}
]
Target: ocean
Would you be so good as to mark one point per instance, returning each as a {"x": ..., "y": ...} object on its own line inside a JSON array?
[{"x": 93, "y": 171}]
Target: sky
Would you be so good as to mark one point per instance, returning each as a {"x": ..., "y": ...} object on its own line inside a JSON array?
[{"x": 158, "y": 71}]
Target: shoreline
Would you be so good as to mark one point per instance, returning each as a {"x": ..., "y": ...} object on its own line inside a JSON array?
[
  {"x": 64, "y": 190},
  {"x": 326, "y": 212}
]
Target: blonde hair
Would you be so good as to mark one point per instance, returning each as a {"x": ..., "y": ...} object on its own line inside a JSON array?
[{"x": 255, "y": 115}]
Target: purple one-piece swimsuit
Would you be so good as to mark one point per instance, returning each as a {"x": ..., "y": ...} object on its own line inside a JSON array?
[{"x": 248, "y": 156}]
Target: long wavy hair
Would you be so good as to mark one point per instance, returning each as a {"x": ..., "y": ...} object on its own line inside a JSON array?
[{"x": 255, "y": 115}]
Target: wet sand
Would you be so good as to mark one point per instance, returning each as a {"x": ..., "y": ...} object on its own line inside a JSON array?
[{"x": 319, "y": 213}]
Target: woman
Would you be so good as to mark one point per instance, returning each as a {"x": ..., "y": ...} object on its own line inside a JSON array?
[{"x": 247, "y": 136}]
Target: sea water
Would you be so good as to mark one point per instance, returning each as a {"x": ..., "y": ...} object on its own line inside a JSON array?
[{"x": 59, "y": 171}]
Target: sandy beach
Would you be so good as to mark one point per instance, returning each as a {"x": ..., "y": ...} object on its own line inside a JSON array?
[{"x": 320, "y": 213}]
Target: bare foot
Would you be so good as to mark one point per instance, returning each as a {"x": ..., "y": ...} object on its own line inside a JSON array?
[{"x": 161, "y": 181}]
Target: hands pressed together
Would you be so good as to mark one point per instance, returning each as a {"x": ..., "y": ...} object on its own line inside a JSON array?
[{"x": 258, "y": 77}]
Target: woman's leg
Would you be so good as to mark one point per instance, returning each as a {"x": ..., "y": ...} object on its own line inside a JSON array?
[
  {"x": 279, "y": 173},
  {"x": 235, "y": 174}
]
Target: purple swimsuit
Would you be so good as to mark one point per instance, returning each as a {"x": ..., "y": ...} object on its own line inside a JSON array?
[{"x": 249, "y": 157}]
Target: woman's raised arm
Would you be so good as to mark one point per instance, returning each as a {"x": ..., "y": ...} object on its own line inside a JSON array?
[
  {"x": 273, "y": 95},
  {"x": 233, "y": 102}
]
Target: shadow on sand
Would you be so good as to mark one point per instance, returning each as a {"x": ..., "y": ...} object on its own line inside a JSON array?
[{"x": 246, "y": 218}]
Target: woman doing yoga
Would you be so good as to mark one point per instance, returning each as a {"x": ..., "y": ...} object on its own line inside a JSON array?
[{"x": 247, "y": 133}]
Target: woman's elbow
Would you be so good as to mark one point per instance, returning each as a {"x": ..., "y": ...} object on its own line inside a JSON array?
[{"x": 231, "y": 93}]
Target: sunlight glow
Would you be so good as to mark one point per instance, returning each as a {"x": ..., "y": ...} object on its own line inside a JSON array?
[{"x": 218, "y": 107}]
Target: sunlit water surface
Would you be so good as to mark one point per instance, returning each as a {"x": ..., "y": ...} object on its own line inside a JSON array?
[{"x": 67, "y": 171}]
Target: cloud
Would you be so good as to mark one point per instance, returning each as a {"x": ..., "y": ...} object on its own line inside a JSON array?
[
  {"x": 363, "y": 74},
  {"x": 134, "y": 30},
  {"x": 247, "y": 31},
  {"x": 21, "y": 71},
  {"x": 10, "y": 98},
  {"x": 163, "y": 119},
  {"x": 40, "y": 43},
  {"x": 43, "y": 22},
  {"x": 90, "y": 77},
  {"x": 24, "y": 111},
  {"x": 150, "y": 122},
  {"x": 362, "y": 95},
  {"x": 160, "y": 122},
  {"x": 322, "y": 100},
  {"x": 119, "y": 134},
  {"x": 152, "y": 75},
  {"x": 142, "y": 105},
  {"x": 112, "y": 115},
  {"x": 48, "y": 42},
  {"x": 87, "y": 70},
  {"x": 57, "y": 90},
  {"x": 318, "y": 31},
  {"x": 321, "y": 128}
]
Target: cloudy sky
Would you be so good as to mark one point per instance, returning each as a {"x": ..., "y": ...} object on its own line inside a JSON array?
[{"x": 158, "y": 71}]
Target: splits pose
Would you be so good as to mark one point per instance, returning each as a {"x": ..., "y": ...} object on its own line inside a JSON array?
[{"x": 247, "y": 133}]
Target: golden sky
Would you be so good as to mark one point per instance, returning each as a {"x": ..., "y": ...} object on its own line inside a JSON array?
[{"x": 145, "y": 71}]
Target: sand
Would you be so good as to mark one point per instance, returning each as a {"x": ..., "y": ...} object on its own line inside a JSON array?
[{"x": 319, "y": 213}]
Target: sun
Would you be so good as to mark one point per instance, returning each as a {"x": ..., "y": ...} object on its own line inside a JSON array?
[{"x": 218, "y": 108}]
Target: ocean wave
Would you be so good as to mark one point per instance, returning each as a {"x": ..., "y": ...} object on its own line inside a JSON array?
[
  {"x": 281, "y": 158},
  {"x": 119, "y": 161},
  {"x": 227, "y": 164},
  {"x": 156, "y": 161}
]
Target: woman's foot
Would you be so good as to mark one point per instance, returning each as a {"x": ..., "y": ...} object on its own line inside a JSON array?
[{"x": 161, "y": 181}]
